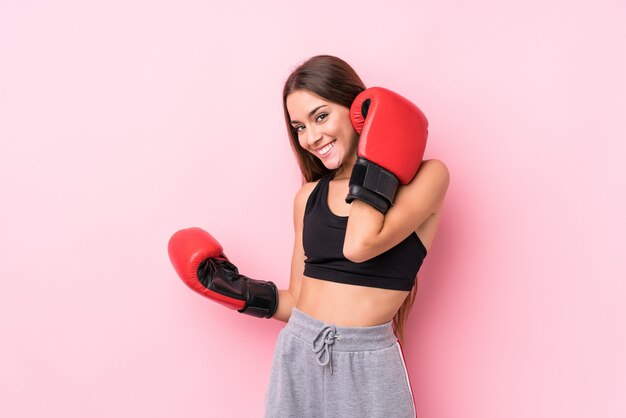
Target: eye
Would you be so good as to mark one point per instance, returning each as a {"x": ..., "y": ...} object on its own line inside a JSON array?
[
  {"x": 297, "y": 128},
  {"x": 324, "y": 115}
]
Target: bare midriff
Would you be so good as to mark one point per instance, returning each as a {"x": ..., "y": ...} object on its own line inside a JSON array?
[{"x": 348, "y": 305}]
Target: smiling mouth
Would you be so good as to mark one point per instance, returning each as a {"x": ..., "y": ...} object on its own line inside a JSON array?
[{"x": 326, "y": 149}]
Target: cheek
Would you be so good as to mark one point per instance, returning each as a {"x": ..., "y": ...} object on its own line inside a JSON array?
[
  {"x": 348, "y": 132},
  {"x": 303, "y": 143},
  {"x": 339, "y": 127}
]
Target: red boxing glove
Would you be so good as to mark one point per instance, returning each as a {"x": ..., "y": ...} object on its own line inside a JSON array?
[
  {"x": 393, "y": 134},
  {"x": 200, "y": 261}
]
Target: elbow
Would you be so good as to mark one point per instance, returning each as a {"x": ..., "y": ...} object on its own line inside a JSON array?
[{"x": 355, "y": 253}]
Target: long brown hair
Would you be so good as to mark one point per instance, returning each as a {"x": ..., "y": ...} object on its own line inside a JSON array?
[{"x": 334, "y": 80}]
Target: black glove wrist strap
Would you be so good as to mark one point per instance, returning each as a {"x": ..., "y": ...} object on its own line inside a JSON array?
[
  {"x": 222, "y": 276},
  {"x": 262, "y": 298},
  {"x": 373, "y": 184}
]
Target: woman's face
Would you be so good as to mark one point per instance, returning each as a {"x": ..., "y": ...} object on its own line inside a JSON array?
[{"x": 323, "y": 128}]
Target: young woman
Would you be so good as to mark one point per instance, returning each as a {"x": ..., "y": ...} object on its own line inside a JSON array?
[{"x": 362, "y": 231}]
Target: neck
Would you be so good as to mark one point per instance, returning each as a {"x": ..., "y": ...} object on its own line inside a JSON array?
[{"x": 345, "y": 170}]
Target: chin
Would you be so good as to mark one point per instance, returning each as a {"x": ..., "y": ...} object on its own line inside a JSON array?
[{"x": 332, "y": 165}]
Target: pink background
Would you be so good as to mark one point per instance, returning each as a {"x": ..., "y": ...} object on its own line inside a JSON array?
[{"x": 124, "y": 121}]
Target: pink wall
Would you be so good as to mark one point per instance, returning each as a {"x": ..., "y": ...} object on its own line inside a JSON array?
[{"x": 122, "y": 122}]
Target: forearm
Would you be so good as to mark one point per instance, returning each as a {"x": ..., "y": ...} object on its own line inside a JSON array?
[
  {"x": 364, "y": 225},
  {"x": 286, "y": 302}
]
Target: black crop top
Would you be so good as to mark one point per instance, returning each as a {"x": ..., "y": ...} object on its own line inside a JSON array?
[{"x": 323, "y": 236}]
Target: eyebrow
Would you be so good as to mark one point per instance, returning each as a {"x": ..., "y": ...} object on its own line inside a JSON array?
[{"x": 310, "y": 113}]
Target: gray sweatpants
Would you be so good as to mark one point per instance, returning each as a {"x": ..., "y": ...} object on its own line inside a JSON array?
[{"x": 321, "y": 370}]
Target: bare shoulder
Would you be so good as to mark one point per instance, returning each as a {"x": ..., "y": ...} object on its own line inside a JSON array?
[
  {"x": 435, "y": 168},
  {"x": 425, "y": 193},
  {"x": 300, "y": 200},
  {"x": 432, "y": 175},
  {"x": 305, "y": 191}
]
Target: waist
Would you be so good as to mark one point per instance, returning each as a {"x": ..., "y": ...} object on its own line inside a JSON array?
[
  {"x": 348, "y": 305},
  {"x": 374, "y": 337}
]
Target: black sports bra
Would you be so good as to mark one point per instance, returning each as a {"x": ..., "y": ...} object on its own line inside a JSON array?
[{"x": 323, "y": 237}]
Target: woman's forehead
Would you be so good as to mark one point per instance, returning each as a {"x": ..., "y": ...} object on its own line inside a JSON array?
[{"x": 303, "y": 101}]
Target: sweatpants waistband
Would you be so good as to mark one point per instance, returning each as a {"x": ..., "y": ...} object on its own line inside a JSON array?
[{"x": 368, "y": 338}]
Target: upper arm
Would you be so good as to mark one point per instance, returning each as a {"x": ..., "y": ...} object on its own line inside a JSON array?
[
  {"x": 297, "y": 259},
  {"x": 414, "y": 203}
]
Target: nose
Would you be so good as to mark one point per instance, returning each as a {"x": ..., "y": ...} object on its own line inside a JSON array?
[{"x": 314, "y": 136}]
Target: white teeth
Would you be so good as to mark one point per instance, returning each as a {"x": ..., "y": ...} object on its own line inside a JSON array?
[{"x": 327, "y": 148}]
